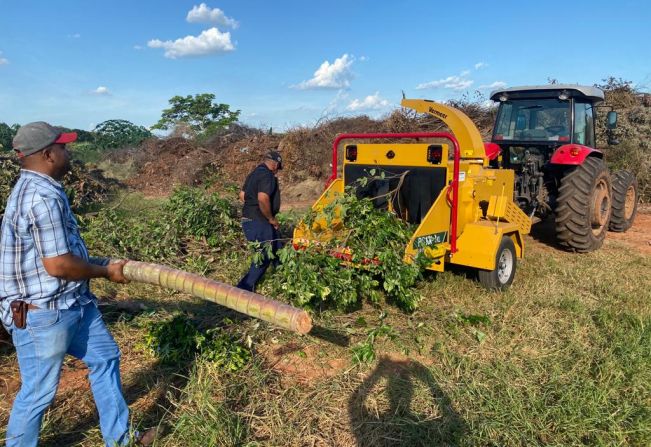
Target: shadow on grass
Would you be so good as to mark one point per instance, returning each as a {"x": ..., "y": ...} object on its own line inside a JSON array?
[
  {"x": 5, "y": 341},
  {"x": 168, "y": 381},
  {"x": 402, "y": 424},
  {"x": 137, "y": 387},
  {"x": 331, "y": 336},
  {"x": 545, "y": 233}
]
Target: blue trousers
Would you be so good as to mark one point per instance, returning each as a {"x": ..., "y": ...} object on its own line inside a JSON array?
[
  {"x": 258, "y": 231},
  {"x": 41, "y": 347}
]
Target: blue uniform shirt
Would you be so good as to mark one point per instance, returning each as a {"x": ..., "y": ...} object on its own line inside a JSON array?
[{"x": 38, "y": 223}]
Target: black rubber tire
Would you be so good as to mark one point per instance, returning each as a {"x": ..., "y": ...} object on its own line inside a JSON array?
[
  {"x": 498, "y": 278},
  {"x": 625, "y": 200},
  {"x": 580, "y": 188}
]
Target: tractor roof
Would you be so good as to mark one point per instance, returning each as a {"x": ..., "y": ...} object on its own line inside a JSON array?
[{"x": 550, "y": 91}]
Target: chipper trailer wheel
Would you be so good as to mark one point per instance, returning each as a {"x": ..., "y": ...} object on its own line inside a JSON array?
[
  {"x": 584, "y": 206},
  {"x": 502, "y": 275},
  {"x": 625, "y": 198}
]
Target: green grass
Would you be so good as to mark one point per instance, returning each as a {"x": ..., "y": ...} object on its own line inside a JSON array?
[{"x": 563, "y": 358}]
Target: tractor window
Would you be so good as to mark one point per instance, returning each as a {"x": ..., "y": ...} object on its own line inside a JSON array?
[
  {"x": 533, "y": 120},
  {"x": 583, "y": 124}
]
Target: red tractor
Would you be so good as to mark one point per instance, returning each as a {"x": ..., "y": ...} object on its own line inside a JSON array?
[{"x": 547, "y": 136}]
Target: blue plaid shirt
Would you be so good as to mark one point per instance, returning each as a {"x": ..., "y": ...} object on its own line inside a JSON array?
[{"x": 38, "y": 223}]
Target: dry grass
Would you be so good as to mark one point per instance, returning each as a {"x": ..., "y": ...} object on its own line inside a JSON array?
[{"x": 562, "y": 358}]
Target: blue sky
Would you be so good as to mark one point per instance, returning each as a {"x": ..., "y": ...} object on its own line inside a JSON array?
[{"x": 286, "y": 63}]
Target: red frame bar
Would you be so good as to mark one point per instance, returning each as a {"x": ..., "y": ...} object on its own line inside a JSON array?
[{"x": 397, "y": 136}]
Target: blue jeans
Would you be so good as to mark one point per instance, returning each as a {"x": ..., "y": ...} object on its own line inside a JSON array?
[
  {"x": 258, "y": 231},
  {"x": 41, "y": 348}
]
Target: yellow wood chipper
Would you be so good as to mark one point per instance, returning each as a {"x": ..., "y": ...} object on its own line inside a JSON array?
[{"x": 444, "y": 184}]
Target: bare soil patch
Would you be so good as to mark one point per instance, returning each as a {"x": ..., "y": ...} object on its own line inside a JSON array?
[
  {"x": 303, "y": 364},
  {"x": 638, "y": 236}
]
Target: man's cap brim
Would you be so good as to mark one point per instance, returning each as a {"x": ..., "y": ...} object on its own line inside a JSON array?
[{"x": 67, "y": 137}]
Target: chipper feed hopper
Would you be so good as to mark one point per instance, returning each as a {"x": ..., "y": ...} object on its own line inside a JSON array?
[{"x": 441, "y": 182}]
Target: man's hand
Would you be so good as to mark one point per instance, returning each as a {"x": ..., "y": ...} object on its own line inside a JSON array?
[
  {"x": 274, "y": 223},
  {"x": 115, "y": 272}
]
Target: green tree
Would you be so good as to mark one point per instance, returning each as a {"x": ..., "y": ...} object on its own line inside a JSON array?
[
  {"x": 199, "y": 112},
  {"x": 7, "y": 134},
  {"x": 113, "y": 134}
]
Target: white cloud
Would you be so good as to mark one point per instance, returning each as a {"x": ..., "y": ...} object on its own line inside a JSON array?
[
  {"x": 74, "y": 36},
  {"x": 204, "y": 14},
  {"x": 494, "y": 85},
  {"x": 371, "y": 102},
  {"x": 480, "y": 65},
  {"x": 331, "y": 76},
  {"x": 101, "y": 91},
  {"x": 138, "y": 47},
  {"x": 452, "y": 82},
  {"x": 3, "y": 60},
  {"x": 208, "y": 42},
  {"x": 337, "y": 102}
]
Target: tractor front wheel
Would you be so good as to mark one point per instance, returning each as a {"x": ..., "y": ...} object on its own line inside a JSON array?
[
  {"x": 625, "y": 198},
  {"x": 583, "y": 206},
  {"x": 502, "y": 275}
]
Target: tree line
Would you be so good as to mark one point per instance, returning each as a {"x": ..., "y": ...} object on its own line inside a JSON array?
[{"x": 199, "y": 116}]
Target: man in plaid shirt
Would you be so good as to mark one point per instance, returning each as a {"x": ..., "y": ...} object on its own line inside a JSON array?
[{"x": 45, "y": 264}]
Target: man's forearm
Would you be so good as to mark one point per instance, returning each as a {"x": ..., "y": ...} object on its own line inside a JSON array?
[
  {"x": 99, "y": 261},
  {"x": 73, "y": 268},
  {"x": 265, "y": 208}
]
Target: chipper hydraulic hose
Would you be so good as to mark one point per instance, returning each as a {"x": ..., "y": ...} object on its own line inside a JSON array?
[{"x": 245, "y": 302}]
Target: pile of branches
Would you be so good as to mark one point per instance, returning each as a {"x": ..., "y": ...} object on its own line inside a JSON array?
[
  {"x": 361, "y": 260},
  {"x": 84, "y": 187}
]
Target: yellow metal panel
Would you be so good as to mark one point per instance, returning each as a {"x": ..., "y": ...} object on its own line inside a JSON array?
[
  {"x": 497, "y": 207},
  {"x": 320, "y": 230},
  {"x": 501, "y": 208},
  {"x": 414, "y": 154},
  {"x": 336, "y": 187},
  {"x": 478, "y": 244},
  {"x": 462, "y": 127},
  {"x": 432, "y": 235}
]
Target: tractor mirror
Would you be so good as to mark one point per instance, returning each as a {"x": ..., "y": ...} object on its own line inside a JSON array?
[{"x": 612, "y": 119}]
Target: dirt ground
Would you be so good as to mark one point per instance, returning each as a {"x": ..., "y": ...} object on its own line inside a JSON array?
[{"x": 638, "y": 236}]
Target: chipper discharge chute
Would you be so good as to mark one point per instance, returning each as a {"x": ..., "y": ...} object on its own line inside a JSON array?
[{"x": 443, "y": 183}]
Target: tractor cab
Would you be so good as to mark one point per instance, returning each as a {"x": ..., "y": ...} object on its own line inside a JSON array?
[{"x": 539, "y": 120}]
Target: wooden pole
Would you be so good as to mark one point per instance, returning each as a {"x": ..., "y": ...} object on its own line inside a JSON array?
[{"x": 248, "y": 303}]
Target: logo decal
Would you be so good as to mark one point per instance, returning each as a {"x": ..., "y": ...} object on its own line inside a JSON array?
[{"x": 429, "y": 240}]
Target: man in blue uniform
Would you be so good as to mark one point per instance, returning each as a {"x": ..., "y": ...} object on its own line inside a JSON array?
[{"x": 261, "y": 197}]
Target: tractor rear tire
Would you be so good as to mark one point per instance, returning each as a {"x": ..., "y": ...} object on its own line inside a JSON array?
[
  {"x": 625, "y": 199},
  {"x": 502, "y": 275},
  {"x": 583, "y": 207}
]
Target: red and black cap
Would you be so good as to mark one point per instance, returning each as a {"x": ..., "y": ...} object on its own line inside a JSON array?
[{"x": 36, "y": 136}]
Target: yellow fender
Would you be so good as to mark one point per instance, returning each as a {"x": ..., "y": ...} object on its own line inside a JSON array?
[{"x": 480, "y": 241}]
